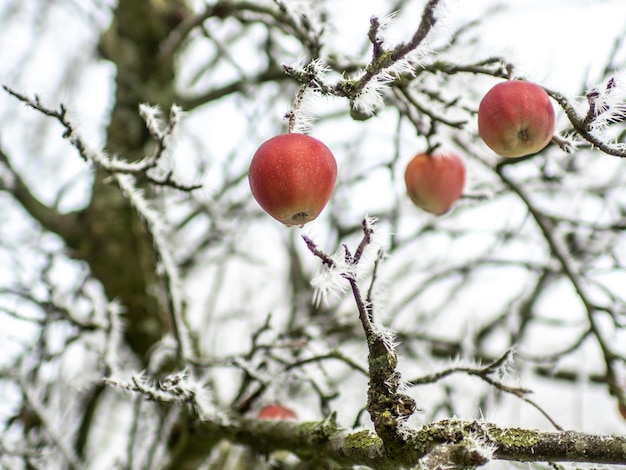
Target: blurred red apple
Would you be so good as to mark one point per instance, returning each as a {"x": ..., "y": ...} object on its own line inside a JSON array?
[
  {"x": 516, "y": 118},
  {"x": 276, "y": 412},
  {"x": 622, "y": 410},
  {"x": 435, "y": 181},
  {"x": 292, "y": 177}
]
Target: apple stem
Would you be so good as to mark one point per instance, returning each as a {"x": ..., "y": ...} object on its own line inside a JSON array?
[
  {"x": 293, "y": 114},
  {"x": 432, "y": 148}
]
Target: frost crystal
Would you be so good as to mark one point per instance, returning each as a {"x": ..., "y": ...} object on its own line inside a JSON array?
[
  {"x": 302, "y": 115},
  {"x": 605, "y": 104},
  {"x": 151, "y": 115},
  {"x": 180, "y": 387},
  {"x": 370, "y": 99},
  {"x": 331, "y": 279}
]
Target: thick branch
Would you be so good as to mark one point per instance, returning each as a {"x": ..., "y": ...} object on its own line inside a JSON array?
[
  {"x": 65, "y": 225},
  {"x": 465, "y": 443}
]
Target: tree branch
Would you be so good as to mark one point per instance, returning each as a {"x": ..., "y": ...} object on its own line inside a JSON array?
[
  {"x": 66, "y": 226},
  {"x": 464, "y": 443},
  {"x": 577, "y": 281},
  {"x": 583, "y": 126}
]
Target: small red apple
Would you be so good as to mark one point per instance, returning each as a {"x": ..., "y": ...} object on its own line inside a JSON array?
[
  {"x": 435, "y": 181},
  {"x": 276, "y": 412},
  {"x": 516, "y": 118},
  {"x": 292, "y": 177}
]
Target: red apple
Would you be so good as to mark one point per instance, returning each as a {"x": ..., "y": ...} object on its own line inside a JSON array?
[
  {"x": 276, "y": 412},
  {"x": 622, "y": 410},
  {"x": 516, "y": 118},
  {"x": 435, "y": 181},
  {"x": 292, "y": 177}
]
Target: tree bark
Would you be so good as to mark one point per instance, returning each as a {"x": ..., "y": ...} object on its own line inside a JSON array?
[{"x": 452, "y": 442}]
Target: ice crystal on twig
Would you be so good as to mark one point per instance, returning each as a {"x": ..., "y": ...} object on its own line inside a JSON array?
[
  {"x": 331, "y": 278},
  {"x": 180, "y": 387},
  {"x": 607, "y": 103},
  {"x": 370, "y": 99},
  {"x": 151, "y": 116},
  {"x": 301, "y": 115},
  {"x": 387, "y": 336},
  {"x": 312, "y": 73},
  {"x": 377, "y": 246},
  {"x": 312, "y": 77},
  {"x": 154, "y": 123}
]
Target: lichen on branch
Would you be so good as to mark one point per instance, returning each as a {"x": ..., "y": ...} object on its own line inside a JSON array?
[{"x": 388, "y": 408}]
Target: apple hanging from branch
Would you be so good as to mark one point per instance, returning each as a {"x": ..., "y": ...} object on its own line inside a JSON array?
[
  {"x": 434, "y": 181},
  {"x": 516, "y": 118},
  {"x": 292, "y": 177}
]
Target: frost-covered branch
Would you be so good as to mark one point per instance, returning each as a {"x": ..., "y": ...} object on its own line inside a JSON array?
[
  {"x": 157, "y": 230},
  {"x": 387, "y": 407},
  {"x": 124, "y": 174},
  {"x": 115, "y": 165},
  {"x": 602, "y": 111},
  {"x": 486, "y": 373},
  {"x": 179, "y": 388},
  {"x": 364, "y": 89},
  {"x": 455, "y": 444}
]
